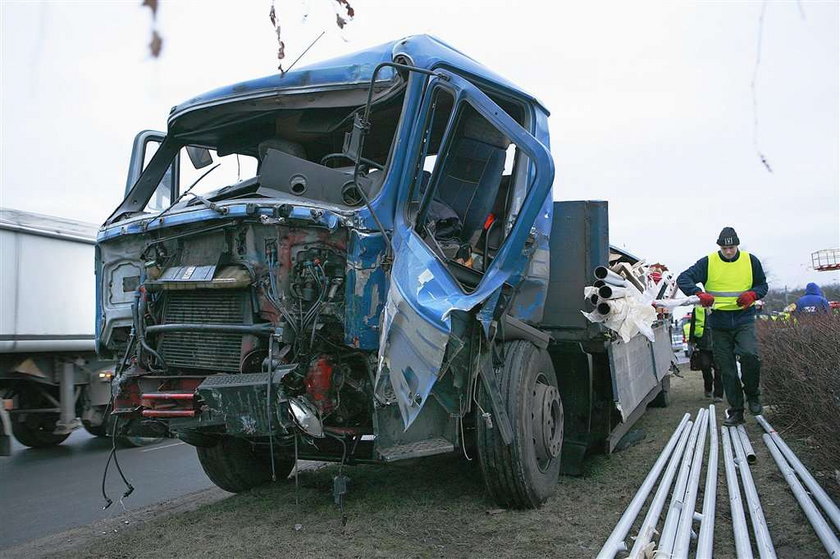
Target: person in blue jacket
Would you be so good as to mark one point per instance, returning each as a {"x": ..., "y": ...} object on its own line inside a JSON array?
[
  {"x": 813, "y": 301},
  {"x": 733, "y": 280}
]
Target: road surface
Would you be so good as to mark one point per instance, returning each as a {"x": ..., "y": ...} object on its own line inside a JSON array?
[{"x": 44, "y": 491}]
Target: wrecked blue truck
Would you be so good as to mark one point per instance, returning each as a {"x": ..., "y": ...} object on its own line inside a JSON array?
[{"x": 361, "y": 261}]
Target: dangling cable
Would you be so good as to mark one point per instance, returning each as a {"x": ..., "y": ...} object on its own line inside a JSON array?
[
  {"x": 129, "y": 488},
  {"x": 117, "y": 372},
  {"x": 269, "y": 407}
]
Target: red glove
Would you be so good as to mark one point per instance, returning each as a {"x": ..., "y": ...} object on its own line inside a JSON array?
[
  {"x": 706, "y": 300},
  {"x": 746, "y": 299}
]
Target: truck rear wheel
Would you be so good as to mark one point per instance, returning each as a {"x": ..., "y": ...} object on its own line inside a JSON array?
[
  {"x": 523, "y": 474},
  {"x": 36, "y": 430},
  {"x": 233, "y": 465}
]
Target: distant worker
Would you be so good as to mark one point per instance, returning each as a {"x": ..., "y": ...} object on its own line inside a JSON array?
[
  {"x": 733, "y": 280},
  {"x": 699, "y": 340},
  {"x": 813, "y": 301}
]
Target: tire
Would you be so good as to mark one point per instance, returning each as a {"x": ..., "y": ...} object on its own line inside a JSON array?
[
  {"x": 36, "y": 431},
  {"x": 234, "y": 466},
  {"x": 134, "y": 441},
  {"x": 95, "y": 430},
  {"x": 524, "y": 474}
]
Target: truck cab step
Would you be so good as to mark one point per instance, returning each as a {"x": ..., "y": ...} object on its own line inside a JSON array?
[{"x": 417, "y": 449}]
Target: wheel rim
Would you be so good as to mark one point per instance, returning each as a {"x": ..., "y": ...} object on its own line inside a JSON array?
[{"x": 547, "y": 422}]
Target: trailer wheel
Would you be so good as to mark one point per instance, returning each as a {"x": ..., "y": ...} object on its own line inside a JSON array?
[
  {"x": 523, "y": 474},
  {"x": 233, "y": 465},
  {"x": 36, "y": 430}
]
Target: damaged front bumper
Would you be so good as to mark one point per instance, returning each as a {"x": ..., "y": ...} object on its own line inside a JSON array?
[{"x": 252, "y": 405}]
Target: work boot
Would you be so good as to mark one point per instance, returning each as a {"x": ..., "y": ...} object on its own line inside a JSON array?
[
  {"x": 718, "y": 399},
  {"x": 707, "y": 394},
  {"x": 755, "y": 406},
  {"x": 733, "y": 417}
]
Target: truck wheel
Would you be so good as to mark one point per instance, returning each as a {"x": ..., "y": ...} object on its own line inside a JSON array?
[
  {"x": 36, "y": 431},
  {"x": 234, "y": 466},
  {"x": 523, "y": 474},
  {"x": 95, "y": 430}
]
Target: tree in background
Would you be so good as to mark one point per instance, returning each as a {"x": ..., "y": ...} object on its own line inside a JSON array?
[{"x": 344, "y": 13}]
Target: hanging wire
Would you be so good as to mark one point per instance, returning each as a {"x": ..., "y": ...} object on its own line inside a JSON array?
[{"x": 761, "y": 156}]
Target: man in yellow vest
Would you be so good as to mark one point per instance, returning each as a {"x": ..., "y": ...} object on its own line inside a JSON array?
[{"x": 733, "y": 281}]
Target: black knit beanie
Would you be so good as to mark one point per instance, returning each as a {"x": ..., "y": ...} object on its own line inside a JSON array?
[{"x": 728, "y": 237}]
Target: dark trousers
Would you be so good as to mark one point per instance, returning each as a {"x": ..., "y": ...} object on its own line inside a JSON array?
[
  {"x": 712, "y": 381},
  {"x": 740, "y": 341}
]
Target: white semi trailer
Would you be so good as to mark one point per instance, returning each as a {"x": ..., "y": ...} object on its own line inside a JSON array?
[{"x": 51, "y": 381}]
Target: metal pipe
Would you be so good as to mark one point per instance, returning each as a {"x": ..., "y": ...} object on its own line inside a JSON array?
[
  {"x": 821, "y": 527},
  {"x": 611, "y": 292},
  {"x": 682, "y": 539},
  {"x": 739, "y": 522},
  {"x": 603, "y": 308},
  {"x": 828, "y": 506},
  {"x": 707, "y": 524},
  {"x": 598, "y": 283},
  {"x": 630, "y": 273},
  {"x": 168, "y": 396},
  {"x": 615, "y": 542},
  {"x": 264, "y": 329},
  {"x": 669, "y": 527},
  {"x": 745, "y": 442},
  {"x": 648, "y": 527},
  {"x": 608, "y": 276},
  {"x": 763, "y": 541},
  {"x": 168, "y": 413}
]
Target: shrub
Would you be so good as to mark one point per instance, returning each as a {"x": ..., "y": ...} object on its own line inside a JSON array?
[{"x": 800, "y": 376}]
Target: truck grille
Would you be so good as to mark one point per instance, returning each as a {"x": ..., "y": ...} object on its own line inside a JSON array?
[{"x": 204, "y": 350}]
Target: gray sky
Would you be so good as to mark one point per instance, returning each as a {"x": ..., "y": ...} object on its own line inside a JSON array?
[{"x": 651, "y": 103}]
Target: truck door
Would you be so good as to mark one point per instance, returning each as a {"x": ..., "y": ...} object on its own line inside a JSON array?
[{"x": 459, "y": 234}]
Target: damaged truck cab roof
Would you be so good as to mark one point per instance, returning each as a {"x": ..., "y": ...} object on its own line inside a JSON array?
[{"x": 356, "y": 69}]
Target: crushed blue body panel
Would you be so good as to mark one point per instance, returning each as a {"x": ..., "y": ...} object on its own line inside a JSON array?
[{"x": 365, "y": 289}]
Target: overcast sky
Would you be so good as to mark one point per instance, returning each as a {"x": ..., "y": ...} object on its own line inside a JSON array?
[{"x": 652, "y": 106}]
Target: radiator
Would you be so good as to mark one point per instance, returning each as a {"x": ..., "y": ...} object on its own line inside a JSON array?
[{"x": 204, "y": 350}]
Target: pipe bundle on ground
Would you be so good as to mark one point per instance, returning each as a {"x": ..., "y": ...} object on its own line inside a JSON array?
[
  {"x": 791, "y": 467},
  {"x": 763, "y": 541},
  {"x": 684, "y": 453}
]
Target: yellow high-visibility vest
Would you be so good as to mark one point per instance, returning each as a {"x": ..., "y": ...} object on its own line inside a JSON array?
[
  {"x": 699, "y": 321},
  {"x": 728, "y": 280}
]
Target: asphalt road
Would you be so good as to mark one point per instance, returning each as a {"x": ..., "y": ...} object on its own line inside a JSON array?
[{"x": 45, "y": 491}]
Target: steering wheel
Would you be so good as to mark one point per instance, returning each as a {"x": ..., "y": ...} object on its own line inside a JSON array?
[{"x": 369, "y": 162}]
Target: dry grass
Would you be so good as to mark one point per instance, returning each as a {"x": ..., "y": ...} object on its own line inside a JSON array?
[
  {"x": 437, "y": 507},
  {"x": 801, "y": 379}
]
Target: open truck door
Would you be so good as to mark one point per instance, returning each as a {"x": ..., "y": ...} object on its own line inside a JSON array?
[{"x": 471, "y": 155}]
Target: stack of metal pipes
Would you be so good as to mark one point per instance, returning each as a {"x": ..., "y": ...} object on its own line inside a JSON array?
[
  {"x": 796, "y": 476},
  {"x": 683, "y": 458},
  {"x": 609, "y": 286}
]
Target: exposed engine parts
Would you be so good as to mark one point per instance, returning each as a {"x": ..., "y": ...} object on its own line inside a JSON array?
[{"x": 275, "y": 297}]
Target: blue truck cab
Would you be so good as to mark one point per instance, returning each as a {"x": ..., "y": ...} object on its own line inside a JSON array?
[{"x": 363, "y": 256}]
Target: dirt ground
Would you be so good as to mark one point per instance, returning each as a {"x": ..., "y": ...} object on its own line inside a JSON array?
[{"x": 436, "y": 507}]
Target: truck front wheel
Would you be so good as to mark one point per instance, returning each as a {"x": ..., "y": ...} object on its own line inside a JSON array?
[
  {"x": 524, "y": 473},
  {"x": 234, "y": 466},
  {"x": 36, "y": 430}
]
